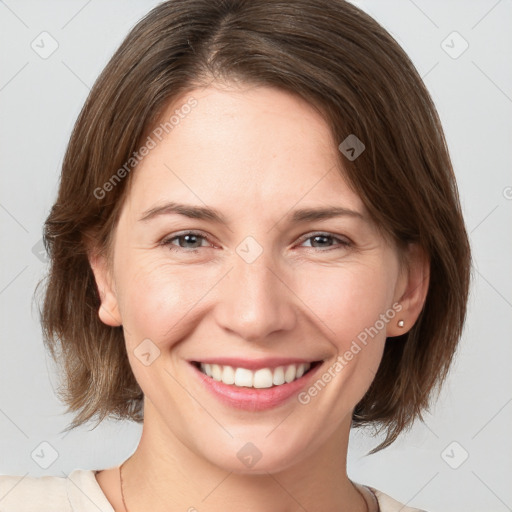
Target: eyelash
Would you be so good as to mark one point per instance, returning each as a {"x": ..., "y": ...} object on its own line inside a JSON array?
[{"x": 173, "y": 247}]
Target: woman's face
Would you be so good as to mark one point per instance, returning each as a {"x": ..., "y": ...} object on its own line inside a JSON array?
[{"x": 259, "y": 284}]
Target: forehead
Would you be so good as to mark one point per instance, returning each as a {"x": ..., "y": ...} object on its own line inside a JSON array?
[{"x": 242, "y": 147}]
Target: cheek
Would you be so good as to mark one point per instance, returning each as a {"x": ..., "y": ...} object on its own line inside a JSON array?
[
  {"x": 164, "y": 301},
  {"x": 157, "y": 298},
  {"x": 348, "y": 300},
  {"x": 349, "y": 305}
]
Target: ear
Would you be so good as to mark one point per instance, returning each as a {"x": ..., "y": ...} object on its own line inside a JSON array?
[
  {"x": 109, "y": 308},
  {"x": 411, "y": 290}
]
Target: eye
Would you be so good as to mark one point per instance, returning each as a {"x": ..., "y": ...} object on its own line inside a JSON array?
[
  {"x": 189, "y": 240},
  {"x": 324, "y": 240}
]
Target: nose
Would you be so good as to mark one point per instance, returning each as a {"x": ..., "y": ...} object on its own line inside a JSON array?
[{"x": 255, "y": 299}]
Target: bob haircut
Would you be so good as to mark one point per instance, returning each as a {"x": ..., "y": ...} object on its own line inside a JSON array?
[{"x": 351, "y": 70}]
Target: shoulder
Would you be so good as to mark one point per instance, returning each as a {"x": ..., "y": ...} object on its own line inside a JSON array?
[
  {"x": 77, "y": 492},
  {"x": 28, "y": 493},
  {"x": 388, "y": 504}
]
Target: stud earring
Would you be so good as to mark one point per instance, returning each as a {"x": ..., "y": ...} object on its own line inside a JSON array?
[{"x": 400, "y": 323}]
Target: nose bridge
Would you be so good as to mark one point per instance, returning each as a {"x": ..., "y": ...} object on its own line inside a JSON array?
[{"x": 255, "y": 301}]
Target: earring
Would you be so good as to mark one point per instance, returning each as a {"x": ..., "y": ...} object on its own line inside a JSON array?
[{"x": 400, "y": 323}]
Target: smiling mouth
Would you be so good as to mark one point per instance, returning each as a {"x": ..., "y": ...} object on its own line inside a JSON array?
[{"x": 261, "y": 378}]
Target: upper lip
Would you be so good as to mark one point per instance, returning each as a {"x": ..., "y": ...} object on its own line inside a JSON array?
[{"x": 254, "y": 364}]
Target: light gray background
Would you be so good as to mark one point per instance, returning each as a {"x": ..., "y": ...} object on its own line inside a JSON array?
[{"x": 39, "y": 102}]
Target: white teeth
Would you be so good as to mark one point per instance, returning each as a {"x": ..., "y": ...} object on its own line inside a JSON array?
[
  {"x": 216, "y": 372},
  {"x": 262, "y": 378},
  {"x": 243, "y": 377},
  {"x": 278, "y": 376},
  {"x": 228, "y": 375},
  {"x": 290, "y": 373}
]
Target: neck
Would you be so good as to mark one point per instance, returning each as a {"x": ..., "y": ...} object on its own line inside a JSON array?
[{"x": 164, "y": 474}]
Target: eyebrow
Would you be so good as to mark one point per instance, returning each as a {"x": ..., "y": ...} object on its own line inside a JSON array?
[{"x": 211, "y": 214}]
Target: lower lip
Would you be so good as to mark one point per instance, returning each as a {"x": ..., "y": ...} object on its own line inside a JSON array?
[{"x": 252, "y": 399}]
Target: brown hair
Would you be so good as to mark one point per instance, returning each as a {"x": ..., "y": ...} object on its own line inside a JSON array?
[{"x": 342, "y": 62}]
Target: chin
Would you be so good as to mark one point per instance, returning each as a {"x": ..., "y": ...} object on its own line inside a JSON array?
[{"x": 255, "y": 454}]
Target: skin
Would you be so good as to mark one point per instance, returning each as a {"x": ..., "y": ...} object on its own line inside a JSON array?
[{"x": 256, "y": 154}]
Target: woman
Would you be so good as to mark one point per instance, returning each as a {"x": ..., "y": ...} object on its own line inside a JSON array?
[{"x": 257, "y": 244}]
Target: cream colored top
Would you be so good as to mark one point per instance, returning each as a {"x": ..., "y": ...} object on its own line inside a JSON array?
[{"x": 80, "y": 492}]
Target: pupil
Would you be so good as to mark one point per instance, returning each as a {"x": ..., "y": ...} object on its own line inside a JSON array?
[
  {"x": 321, "y": 237},
  {"x": 188, "y": 237}
]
